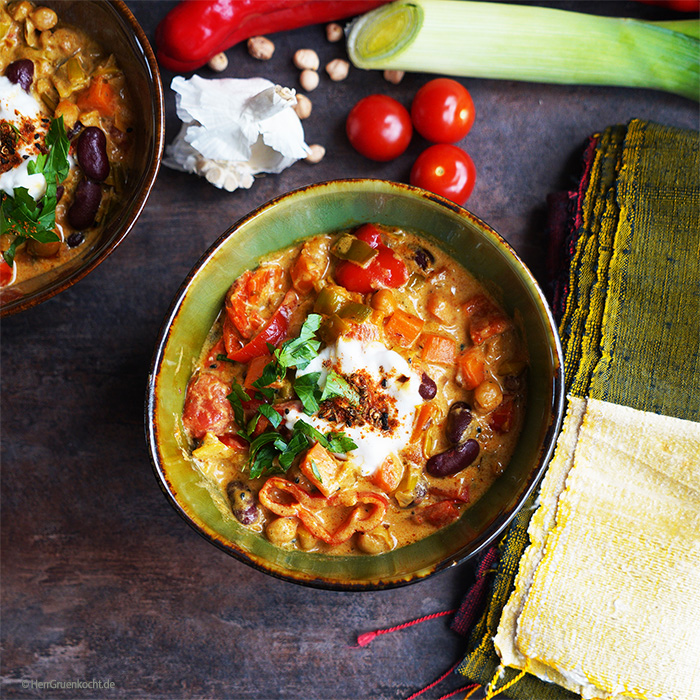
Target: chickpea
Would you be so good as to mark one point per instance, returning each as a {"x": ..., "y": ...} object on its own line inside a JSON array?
[
  {"x": 44, "y": 18},
  {"x": 374, "y": 542},
  {"x": 337, "y": 69},
  {"x": 317, "y": 153},
  {"x": 394, "y": 76},
  {"x": 306, "y": 59},
  {"x": 488, "y": 395},
  {"x": 303, "y": 107},
  {"x": 260, "y": 47},
  {"x": 305, "y": 539},
  {"x": 282, "y": 530},
  {"x": 384, "y": 300},
  {"x": 218, "y": 63},
  {"x": 309, "y": 80},
  {"x": 43, "y": 250},
  {"x": 334, "y": 32}
]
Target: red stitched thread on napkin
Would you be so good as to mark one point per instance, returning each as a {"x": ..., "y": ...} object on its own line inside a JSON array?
[
  {"x": 364, "y": 639},
  {"x": 473, "y": 601}
]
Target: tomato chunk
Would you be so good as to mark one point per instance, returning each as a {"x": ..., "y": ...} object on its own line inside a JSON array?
[
  {"x": 441, "y": 513},
  {"x": 253, "y": 294},
  {"x": 310, "y": 266},
  {"x": 207, "y": 410},
  {"x": 272, "y": 333}
]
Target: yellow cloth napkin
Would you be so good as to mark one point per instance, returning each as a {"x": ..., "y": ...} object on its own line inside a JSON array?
[{"x": 631, "y": 334}]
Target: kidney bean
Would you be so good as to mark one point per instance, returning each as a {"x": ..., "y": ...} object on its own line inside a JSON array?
[
  {"x": 458, "y": 419},
  {"x": 242, "y": 502},
  {"x": 424, "y": 258},
  {"x": 453, "y": 460},
  {"x": 86, "y": 202},
  {"x": 75, "y": 239},
  {"x": 92, "y": 153},
  {"x": 21, "y": 73},
  {"x": 427, "y": 388}
]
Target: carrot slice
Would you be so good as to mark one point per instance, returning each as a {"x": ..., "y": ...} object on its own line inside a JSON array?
[
  {"x": 319, "y": 467},
  {"x": 470, "y": 368},
  {"x": 100, "y": 96},
  {"x": 403, "y": 328},
  {"x": 389, "y": 475},
  {"x": 439, "y": 349}
]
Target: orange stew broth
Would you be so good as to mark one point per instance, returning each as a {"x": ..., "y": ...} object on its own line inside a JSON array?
[
  {"x": 437, "y": 317},
  {"x": 74, "y": 77}
]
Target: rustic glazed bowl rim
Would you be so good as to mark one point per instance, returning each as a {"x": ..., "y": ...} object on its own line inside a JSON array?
[
  {"x": 469, "y": 550},
  {"x": 147, "y": 58}
]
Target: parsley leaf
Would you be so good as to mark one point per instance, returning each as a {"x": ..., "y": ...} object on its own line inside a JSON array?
[
  {"x": 236, "y": 398},
  {"x": 20, "y": 214},
  {"x": 337, "y": 385},
  {"x": 301, "y": 350},
  {"x": 306, "y": 388}
]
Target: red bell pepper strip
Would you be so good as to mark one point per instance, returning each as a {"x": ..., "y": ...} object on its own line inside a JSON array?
[
  {"x": 195, "y": 30},
  {"x": 286, "y": 499},
  {"x": 272, "y": 333}
]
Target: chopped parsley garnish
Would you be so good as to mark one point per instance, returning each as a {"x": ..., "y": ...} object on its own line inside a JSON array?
[
  {"x": 20, "y": 214},
  {"x": 270, "y": 445}
]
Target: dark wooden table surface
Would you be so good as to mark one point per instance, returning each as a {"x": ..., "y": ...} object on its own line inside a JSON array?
[{"x": 101, "y": 580}]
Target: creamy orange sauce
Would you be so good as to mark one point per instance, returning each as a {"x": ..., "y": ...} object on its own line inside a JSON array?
[{"x": 442, "y": 301}]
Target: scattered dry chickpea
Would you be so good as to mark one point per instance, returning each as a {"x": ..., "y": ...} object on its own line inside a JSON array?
[
  {"x": 394, "y": 76},
  {"x": 306, "y": 58},
  {"x": 303, "y": 107},
  {"x": 309, "y": 80},
  {"x": 317, "y": 153},
  {"x": 337, "y": 69},
  {"x": 260, "y": 47},
  {"x": 218, "y": 63},
  {"x": 334, "y": 32},
  {"x": 44, "y": 18}
]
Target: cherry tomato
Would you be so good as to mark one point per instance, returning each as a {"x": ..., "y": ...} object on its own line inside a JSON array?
[
  {"x": 385, "y": 270},
  {"x": 442, "y": 111},
  {"x": 677, "y": 5},
  {"x": 445, "y": 170},
  {"x": 379, "y": 127}
]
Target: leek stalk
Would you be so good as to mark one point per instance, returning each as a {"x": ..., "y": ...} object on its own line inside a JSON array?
[{"x": 523, "y": 42}]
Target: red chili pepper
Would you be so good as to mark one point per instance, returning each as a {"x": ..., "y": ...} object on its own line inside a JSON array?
[
  {"x": 677, "y": 5},
  {"x": 273, "y": 332},
  {"x": 195, "y": 30}
]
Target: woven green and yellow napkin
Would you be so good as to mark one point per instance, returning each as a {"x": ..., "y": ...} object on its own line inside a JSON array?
[{"x": 599, "y": 590}]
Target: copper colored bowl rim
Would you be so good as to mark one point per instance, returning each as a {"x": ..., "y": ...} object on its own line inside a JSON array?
[{"x": 23, "y": 303}]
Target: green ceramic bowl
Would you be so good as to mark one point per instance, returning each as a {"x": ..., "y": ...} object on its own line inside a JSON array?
[{"x": 307, "y": 212}]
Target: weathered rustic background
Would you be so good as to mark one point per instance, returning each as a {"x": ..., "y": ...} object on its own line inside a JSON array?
[{"x": 101, "y": 580}]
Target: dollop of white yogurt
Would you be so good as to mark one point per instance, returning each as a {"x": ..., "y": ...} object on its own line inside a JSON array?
[
  {"x": 16, "y": 106},
  {"x": 389, "y": 370}
]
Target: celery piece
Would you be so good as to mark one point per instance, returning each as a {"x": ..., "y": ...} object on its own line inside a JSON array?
[
  {"x": 525, "y": 42},
  {"x": 353, "y": 311},
  {"x": 330, "y": 300},
  {"x": 348, "y": 247}
]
